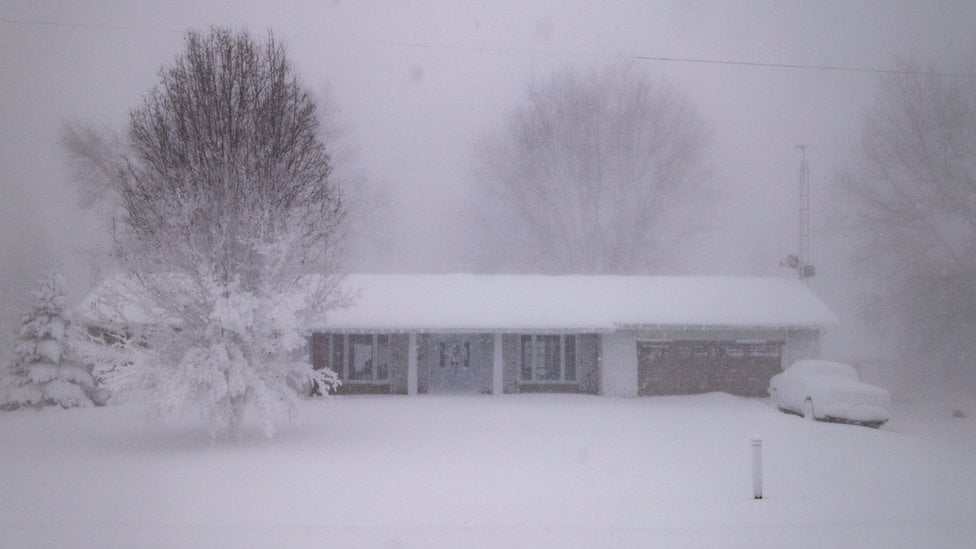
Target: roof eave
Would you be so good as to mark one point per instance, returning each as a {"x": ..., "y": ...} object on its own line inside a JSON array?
[
  {"x": 720, "y": 327},
  {"x": 460, "y": 330}
]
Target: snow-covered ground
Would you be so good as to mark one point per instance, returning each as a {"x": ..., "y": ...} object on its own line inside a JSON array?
[{"x": 512, "y": 471}]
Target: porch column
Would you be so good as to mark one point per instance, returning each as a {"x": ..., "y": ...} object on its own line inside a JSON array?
[
  {"x": 497, "y": 367},
  {"x": 618, "y": 366},
  {"x": 412, "y": 364}
]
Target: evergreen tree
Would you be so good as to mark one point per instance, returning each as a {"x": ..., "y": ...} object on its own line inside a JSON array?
[{"x": 42, "y": 372}]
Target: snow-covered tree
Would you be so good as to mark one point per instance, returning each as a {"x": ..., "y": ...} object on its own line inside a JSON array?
[
  {"x": 911, "y": 206},
  {"x": 594, "y": 172},
  {"x": 230, "y": 234},
  {"x": 42, "y": 372}
]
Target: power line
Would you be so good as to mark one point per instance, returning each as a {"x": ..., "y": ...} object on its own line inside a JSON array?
[
  {"x": 802, "y": 66},
  {"x": 82, "y": 25},
  {"x": 420, "y": 45}
]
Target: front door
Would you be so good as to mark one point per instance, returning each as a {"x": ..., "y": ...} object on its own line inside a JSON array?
[{"x": 454, "y": 364}]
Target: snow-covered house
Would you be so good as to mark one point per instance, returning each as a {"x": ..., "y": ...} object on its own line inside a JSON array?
[{"x": 608, "y": 335}]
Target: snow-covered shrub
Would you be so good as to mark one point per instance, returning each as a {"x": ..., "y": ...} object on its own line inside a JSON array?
[
  {"x": 245, "y": 350},
  {"x": 43, "y": 372}
]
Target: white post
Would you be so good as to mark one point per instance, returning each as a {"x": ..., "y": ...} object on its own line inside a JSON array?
[
  {"x": 757, "y": 491},
  {"x": 412, "y": 364},
  {"x": 497, "y": 367}
]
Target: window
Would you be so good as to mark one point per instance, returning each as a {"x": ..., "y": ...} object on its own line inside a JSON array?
[
  {"x": 527, "y": 358},
  {"x": 361, "y": 357},
  {"x": 383, "y": 357},
  {"x": 549, "y": 358},
  {"x": 569, "y": 358}
]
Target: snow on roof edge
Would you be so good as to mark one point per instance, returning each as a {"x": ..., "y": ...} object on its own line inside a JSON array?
[{"x": 512, "y": 303}]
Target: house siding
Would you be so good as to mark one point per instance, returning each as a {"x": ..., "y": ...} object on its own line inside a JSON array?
[
  {"x": 797, "y": 343},
  {"x": 735, "y": 360}
]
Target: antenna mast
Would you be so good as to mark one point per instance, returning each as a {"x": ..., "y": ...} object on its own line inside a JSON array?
[
  {"x": 805, "y": 269},
  {"x": 801, "y": 261}
]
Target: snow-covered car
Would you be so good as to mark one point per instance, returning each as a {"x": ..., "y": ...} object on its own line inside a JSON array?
[{"x": 829, "y": 391}]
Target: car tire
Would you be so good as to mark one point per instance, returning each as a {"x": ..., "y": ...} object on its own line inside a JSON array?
[{"x": 808, "y": 410}]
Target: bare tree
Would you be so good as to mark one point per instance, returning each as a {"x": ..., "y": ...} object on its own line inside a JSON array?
[
  {"x": 912, "y": 208},
  {"x": 594, "y": 173},
  {"x": 93, "y": 157},
  {"x": 227, "y": 206}
]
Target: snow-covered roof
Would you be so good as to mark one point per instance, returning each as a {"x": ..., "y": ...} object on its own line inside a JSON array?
[{"x": 464, "y": 302}]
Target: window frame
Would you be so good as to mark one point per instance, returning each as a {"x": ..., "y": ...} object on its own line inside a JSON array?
[{"x": 535, "y": 357}]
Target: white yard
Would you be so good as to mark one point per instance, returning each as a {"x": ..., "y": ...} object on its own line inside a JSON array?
[{"x": 512, "y": 471}]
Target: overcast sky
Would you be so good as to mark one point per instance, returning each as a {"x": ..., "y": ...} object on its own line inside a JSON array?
[{"x": 417, "y": 82}]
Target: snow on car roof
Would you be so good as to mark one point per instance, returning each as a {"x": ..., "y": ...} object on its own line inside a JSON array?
[{"x": 578, "y": 302}]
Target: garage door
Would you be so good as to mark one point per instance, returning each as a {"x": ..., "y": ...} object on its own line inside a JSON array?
[{"x": 685, "y": 368}]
